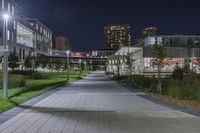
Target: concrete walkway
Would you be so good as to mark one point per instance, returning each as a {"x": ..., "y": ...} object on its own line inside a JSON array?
[{"x": 99, "y": 105}]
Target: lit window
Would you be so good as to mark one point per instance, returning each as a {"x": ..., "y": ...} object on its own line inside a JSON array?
[{"x": 24, "y": 35}]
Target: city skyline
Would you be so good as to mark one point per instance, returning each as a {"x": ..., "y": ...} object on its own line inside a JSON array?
[{"x": 83, "y": 22}]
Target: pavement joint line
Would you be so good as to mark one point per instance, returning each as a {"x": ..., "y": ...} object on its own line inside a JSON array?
[
  {"x": 154, "y": 100},
  {"x": 5, "y": 116},
  {"x": 109, "y": 113}
]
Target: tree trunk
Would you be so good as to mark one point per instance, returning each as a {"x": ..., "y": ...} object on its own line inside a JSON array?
[{"x": 159, "y": 85}]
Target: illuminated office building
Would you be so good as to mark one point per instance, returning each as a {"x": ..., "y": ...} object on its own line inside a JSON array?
[
  {"x": 25, "y": 36},
  {"x": 149, "y": 31},
  {"x": 117, "y": 36}
]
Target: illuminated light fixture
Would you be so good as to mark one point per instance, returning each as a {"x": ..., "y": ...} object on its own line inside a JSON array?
[
  {"x": 6, "y": 16},
  {"x": 68, "y": 52}
]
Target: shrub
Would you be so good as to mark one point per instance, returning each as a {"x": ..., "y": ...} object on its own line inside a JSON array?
[
  {"x": 178, "y": 73},
  {"x": 36, "y": 75},
  {"x": 116, "y": 77},
  {"x": 141, "y": 82},
  {"x": 22, "y": 72},
  {"x": 179, "y": 85},
  {"x": 153, "y": 85},
  {"x": 15, "y": 81},
  {"x": 22, "y": 83}
]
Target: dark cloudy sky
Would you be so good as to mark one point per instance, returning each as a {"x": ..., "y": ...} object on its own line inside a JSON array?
[{"x": 83, "y": 20}]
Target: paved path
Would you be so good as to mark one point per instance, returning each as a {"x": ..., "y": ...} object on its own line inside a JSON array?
[{"x": 99, "y": 105}]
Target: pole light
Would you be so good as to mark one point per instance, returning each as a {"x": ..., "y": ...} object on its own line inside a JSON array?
[
  {"x": 80, "y": 64},
  {"x": 79, "y": 67},
  {"x": 68, "y": 53},
  {"x": 5, "y": 55}
]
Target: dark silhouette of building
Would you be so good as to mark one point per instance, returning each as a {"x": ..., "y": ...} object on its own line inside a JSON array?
[{"x": 117, "y": 36}]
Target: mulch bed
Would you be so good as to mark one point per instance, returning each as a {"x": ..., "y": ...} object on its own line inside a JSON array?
[{"x": 183, "y": 103}]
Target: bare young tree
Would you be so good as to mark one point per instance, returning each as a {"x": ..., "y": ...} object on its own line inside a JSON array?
[
  {"x": 118, "y": 67},
  {"x": 129, "y": 63},
  {"x": 159, "y": 54}
]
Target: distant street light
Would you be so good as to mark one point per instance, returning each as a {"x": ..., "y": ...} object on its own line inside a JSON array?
[
  {"x": 79, "y": 64},
  {"x": 80, "y": 61},
  {"x": 68, "y": 53},
  {"x": 5, "y": 55}
]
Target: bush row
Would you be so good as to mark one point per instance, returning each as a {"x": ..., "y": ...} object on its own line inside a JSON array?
[{"x": 186, "y": 88}]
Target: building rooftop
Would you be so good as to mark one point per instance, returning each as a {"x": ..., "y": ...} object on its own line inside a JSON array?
[{"x": 37, "y": 21}]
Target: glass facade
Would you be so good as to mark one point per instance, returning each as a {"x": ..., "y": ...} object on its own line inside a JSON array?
[{"x": 24, "y": 36}]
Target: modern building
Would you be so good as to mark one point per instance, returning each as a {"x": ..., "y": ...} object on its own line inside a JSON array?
[
  {"x": 95, "y": 63},
  {"x": 43, "y": 37},
  {"x": 62, "y": 43},
  {"x": 182, "y": 50},
  {"x": 25, "y": 36},
  {"x": 103, "y": 53},
  {"x": 20, "y": 34},
  {"x": 118, "y": 60},
  {"x": 149, "y": 31},
  {"x": 117, "y": 36},
  {"x": 22, "y": 39},
  {"x": 187, "y": 41}
]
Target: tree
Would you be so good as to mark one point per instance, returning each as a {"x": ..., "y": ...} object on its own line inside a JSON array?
[
  {"x": 83, "y": 66},
  {"x": 159, "y": 54},
  {"x": 178, "y": 73},
  {"x": 44, "y": 61},
  {"x": 65, "y": 67},
  {"x": 118, "y": 67},
  {"x": 58, "y": 64},
  {"x": 50, "y": 64},
  {"x": 36, "y": 62},
  {"x": 28, "y": 64},
  {"x": 129, "y": 63},
  {"x": 13, "y": 61}
]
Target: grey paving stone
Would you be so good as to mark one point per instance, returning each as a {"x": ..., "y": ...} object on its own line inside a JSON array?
[{"x": 97, "y": 104}]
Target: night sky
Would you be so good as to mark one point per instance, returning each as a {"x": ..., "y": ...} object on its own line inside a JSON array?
[{"x": 82, "y": 21}]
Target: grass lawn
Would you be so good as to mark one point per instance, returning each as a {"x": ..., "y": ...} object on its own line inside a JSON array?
[{"x": 20, "y": 92}]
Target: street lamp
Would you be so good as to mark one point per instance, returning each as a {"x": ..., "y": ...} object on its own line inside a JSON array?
[
  {"x": 68, "y": 53},
  {"x": 5, "y": 56},
  {"x": 80, "y": 67}
]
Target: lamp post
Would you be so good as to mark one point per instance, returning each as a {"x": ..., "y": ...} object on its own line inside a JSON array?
[
  {"x": 80, "y": 67},
  {"x": 5, "y": 56},
  {"x": 68, "y": 52}
]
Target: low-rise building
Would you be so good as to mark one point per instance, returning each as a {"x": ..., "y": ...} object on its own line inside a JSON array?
[
  {"x": 103, "y": 53},
  {"x": 187, "y": 41},
  {"x": 43, "y": 37},
  {"x": 25, "y": 36},
  {"x": 180, "y": 50},
  {"x": 118, "y": 62}
]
